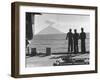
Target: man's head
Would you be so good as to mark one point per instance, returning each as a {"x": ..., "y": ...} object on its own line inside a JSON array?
[
  {"x": 70, "y": 30},
  {"x": 75, "y": 30},
  {"x": 82, "y": 29}
]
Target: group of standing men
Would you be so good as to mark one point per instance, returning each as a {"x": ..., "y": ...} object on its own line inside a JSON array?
[{"x": 73, "y": 41}]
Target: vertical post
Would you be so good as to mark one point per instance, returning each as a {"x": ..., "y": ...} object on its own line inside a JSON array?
[
  {"x": 33, "y": 52},
  {"x": 27, "y": 51},
  {"x": 48, "y": 51}
]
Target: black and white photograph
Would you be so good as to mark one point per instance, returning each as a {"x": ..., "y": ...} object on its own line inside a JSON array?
[
  {"x": 57, "y": 39},
  {"x": 52, "y": 39}
]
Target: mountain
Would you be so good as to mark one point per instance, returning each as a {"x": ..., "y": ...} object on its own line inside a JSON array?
[
  {"x": 49, "y": 30},
  {"x": 54, "y": 36}
]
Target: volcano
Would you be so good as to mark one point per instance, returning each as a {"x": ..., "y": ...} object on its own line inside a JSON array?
[{"x": 50, "y": 30}]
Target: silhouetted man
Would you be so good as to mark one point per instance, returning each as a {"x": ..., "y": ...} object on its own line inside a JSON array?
[
  {"x": 83, "y": 37},
  {"x": 70, "y": 40},
  {"x": 27, "y": 47},
  {"x": 75, "y": 37},
  {"x": 27, "y": 43}
]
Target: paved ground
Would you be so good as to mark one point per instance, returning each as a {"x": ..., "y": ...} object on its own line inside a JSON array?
[{"x": 39, "y": 61}]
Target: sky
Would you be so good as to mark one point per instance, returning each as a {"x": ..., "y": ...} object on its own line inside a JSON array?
[{"x": 61, "y": 22}]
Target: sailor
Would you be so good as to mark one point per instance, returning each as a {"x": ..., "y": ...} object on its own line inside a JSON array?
[
  {"x": 70, "y": 40},
  {"x": 83, "y": 37}
]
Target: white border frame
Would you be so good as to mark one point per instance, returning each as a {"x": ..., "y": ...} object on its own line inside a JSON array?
[{"x": 38, "y": 70}]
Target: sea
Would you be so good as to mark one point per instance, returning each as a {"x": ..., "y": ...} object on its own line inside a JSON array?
[{"x": 57, "y": 43}]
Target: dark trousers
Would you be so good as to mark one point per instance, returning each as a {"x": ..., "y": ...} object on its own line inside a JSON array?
[
  {"x": 70, "y": 45},
  {"x": 76, "y": 46},
  {"x": 83, "y": 49}
]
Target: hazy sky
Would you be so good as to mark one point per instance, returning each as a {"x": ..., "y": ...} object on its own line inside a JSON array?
[{"x": 61, "y": 22}]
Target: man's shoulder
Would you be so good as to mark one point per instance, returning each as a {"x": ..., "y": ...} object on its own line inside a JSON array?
[
  {"x": 84, "y": 33},
  {"x": 68, "y": 33}
]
